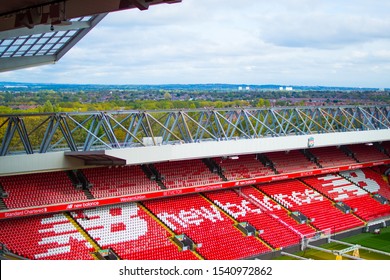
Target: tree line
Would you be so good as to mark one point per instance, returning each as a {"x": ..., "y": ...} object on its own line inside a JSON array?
[{"x": 60, "y": 101}]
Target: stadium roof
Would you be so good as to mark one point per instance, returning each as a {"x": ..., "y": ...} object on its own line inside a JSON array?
[
  {"x": 38, "y": 32},
  {"x": 63, "y": 141},
  {"x": 41, "y": 45}
]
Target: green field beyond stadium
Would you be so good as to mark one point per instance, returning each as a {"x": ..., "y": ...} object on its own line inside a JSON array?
[{"x": 375, "y": 241}]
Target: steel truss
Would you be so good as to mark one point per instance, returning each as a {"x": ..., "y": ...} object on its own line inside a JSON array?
[{"x": 42, "y": 133}]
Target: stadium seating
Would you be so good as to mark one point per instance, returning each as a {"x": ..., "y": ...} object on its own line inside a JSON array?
[
  {"x": 243, "y": 167},
  {"x": 39, "y": 189},
  {"x": 334, "y": 186},
  {"x": 368, "y": 208},
  {"x": 291, "y": 193},
  {"x": 367, "y": 153},
  {"x": 331, "y": 157},
  {"x": 119, "y": 181},
  {"x": 326, "y": 216},
  {"x": 369, "y": 180},
  {"x": 386, "y": 146},
  {"x": 280, "y": 212},
  {"x": 143, "y": 231},
  {"x": 259, "y": 216},
  {"x": 381, "y": 169},
  {"x": 296, "y": 196},
  {"x": 46, "y": 237},
  {"x": 207, "y": 226},
  {"x": 130, "y": 232},
  {"x": 340, "y": 189},
  {"x": 187, "y": 173},
  {"x": 283, "y": 163}
]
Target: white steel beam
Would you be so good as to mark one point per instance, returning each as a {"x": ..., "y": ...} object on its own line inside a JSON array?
[{"x": 14, "y": 63}]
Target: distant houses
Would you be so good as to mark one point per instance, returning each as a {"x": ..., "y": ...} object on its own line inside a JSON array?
[{"x": 286, "y": 89}]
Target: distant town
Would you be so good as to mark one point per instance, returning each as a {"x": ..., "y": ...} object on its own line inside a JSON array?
[{"x": 34, "y": 97}]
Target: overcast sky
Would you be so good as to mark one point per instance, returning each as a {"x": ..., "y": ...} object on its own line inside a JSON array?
[{"x": 289, "y": 42}]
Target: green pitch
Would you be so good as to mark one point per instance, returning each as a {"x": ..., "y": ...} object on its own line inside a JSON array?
[{"x": 376, "y": 241}]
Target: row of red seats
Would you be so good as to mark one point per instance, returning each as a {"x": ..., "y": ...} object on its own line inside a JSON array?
[
  {"x": 245, "y": 211},
  {"x": 291, "y": 193},
  {"x": 298, "y": 197},
  {"x": 206, "y": 226},
  {"x": 186, "y": 173},
  {"x": 326, "y": 216},
  {"x": 242, "y": 167},
  {"x": 368, "y": 208},
  {"x": 39, "y": 189},
  {"x": 353, "y": 194},
  {"x": 283, "y": 163},
  {"x": 331, "y": 157},
  {"x": 130, "y": 232},
  {"x": 334, "y": 186},
  {"x": 118, "y": 181},
  {"x": 369, "y": 180},
  {"x": 44, "y": 238},
  {"x": 367, "y": 153},
  {"x": 275, "y": 209}
]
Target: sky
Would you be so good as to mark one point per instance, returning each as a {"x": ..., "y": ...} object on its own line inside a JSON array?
[{"x": 285, "y": 42}]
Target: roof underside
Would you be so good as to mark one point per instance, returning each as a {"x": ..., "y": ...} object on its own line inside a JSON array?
[
  {"x": 41, "y": 45},
  {"x": 39, "y": 32}
]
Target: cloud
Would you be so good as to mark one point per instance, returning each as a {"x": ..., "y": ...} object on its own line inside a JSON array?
[
  {"x": 311, "y": 42},
  {"x": 320, "y": 30}
]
